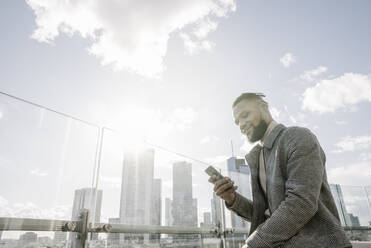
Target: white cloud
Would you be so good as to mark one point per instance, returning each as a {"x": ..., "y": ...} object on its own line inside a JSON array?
[
  {"x": 342, "y": 92},
  {"x": 365, "y": 156},
  {"x": 309, "y": 75},
  {"x": 38, "y": 173},
  {"x": 209, "y": 139},
  {"x": 286, "y": 117},
  {"x": 204, "y": 27},
  {"x": 31, "y": 210},
  {"x": 194, "y": 46},
  {"x": 353, "y": 143},
  {"x": 341, "y": 123},
  {"x": 293, "y": 119},
  {"x": 129, "y": 35},
  {"x": 353, "y": 174},
  {"x": 133, "y": 124},
  {"x": 196, "y": 41},
  {"x": 182, "y": 118},
  {"x": 275, "y": 113},
  {"x": 287, "y": 60}
]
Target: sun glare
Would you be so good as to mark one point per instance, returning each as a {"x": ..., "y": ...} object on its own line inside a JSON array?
[{"x": 136, "y": 125}]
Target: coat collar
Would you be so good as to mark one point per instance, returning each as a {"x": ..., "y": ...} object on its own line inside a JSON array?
[
  {"x": 252, "y": 157},
  {"x": 269, "y": 140}
]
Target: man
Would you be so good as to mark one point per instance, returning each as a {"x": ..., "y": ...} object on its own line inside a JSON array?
[{"x": 292, "y": 203}]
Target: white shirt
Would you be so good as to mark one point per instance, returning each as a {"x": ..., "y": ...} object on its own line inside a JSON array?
[{"x": 262, "y": 174}]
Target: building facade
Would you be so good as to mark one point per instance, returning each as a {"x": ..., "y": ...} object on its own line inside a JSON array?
[
  {"x": 86, "y": 198},
  {"x": 184, "y": 207},
  {"x": 239, "y": 172},
  {"x": 137, "y": 193}
]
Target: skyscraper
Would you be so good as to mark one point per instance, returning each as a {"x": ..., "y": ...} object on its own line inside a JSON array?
[
  {"x": 28, "y": 238},
  {"x": 156, "y": 208},
  {"x": 136, "y": 192},
  {"x": 86, "y": 198},
  {"x": 168, "y": 212},
  {"x": 60, "y": 238},
  {"x": 156, "y": 202},
  {"x": 113, "y": 239},
  {"x": 207, "y": 220},
  {"x": 216, "y": 211},
  {"x": 184, "y": 206},
  {"x": 239, "y": 172},
  {"x": 354, "y": 219},
  {"x": 340, "y": 205}
]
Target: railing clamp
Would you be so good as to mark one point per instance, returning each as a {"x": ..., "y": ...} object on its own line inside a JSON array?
[{"x": 69, "y": 226}]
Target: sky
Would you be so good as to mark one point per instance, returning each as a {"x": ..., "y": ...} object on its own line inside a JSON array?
[{"x": 167, "y": 72}]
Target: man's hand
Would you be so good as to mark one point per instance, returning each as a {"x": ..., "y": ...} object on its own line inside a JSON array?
[{"x": 224, "y": 188}]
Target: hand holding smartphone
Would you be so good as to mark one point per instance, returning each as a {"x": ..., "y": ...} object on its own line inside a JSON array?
[
  {"x": 211, "y": 171},
  {"x": 224, "y": 186}
]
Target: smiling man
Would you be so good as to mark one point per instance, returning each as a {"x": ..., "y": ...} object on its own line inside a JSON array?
[{"x": 292, "y": 205}]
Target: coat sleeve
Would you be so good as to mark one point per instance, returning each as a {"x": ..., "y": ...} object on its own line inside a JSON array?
[
  {"x": 242, "y": 207},
  {"x": 305, "y": 169}
]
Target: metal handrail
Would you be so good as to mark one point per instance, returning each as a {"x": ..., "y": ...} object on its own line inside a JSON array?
[{"x": 28, "y": 224}]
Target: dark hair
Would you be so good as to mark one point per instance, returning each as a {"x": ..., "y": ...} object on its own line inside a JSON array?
[{"x": 250, "y": 96}]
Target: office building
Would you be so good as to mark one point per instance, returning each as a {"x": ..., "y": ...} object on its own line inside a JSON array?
[
  {"x": 60, "y": 238},
  {"x": 239, "y": 172},
  {"x": 184, "y": 207},
  {"x": 28, "y": 238},
  {"x": 216, "y": 210},
  {"x": 113, "y": 239},
  {"x": 207, "y": 223},
  {"x": 137, "y": 193},
  {"x": 86, "y": 198},
  {"x": 354, "y": 220},
  {"x": 168, "y": 212},
  {"x": 156, "y": 212}
]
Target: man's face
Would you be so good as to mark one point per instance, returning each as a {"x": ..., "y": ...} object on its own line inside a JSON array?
[{"x": 247, "y": 115}]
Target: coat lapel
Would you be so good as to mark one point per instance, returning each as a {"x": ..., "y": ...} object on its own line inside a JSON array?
[
  {"x": 252, "y": 159},
  {"x": 259, "y": 203}
]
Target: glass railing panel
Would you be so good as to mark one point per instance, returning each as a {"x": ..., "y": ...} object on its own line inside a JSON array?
[
  {"x": 237, "y": 169},
  {"x": 33, "y": 239},
  {"x": 368, "y": 195},
  {"x": 235, "y": 240},
  {"x": 47, "y": 162},
  {"x": 356, "y": 211},
  {"x": 146, "y": 185},
  {"x": 155, "y": 240}
]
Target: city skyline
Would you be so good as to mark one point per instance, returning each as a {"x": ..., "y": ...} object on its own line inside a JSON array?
[{"x": 83, "y": 82}]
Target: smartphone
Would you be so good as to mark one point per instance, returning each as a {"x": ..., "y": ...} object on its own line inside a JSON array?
[{"x": 212, "y": 171}]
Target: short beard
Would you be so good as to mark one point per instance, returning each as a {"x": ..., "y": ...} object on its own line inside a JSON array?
[{"x": 259, "y": 131}]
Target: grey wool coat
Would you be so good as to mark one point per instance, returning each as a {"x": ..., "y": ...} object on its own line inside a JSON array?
[{"x": 303, "y": 211}]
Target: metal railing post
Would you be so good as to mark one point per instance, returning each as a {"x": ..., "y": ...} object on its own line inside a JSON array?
[{"x": 82, "y": 229}]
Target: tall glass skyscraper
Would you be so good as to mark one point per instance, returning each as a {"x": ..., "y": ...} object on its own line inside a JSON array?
[
  {"x": 137, "y": 193},
  {"x": 184, "y": 207}
]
